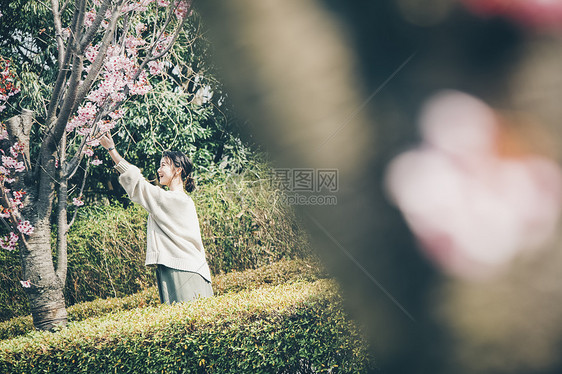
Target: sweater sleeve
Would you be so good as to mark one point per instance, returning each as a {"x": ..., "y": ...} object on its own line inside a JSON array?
[{"x": 139, "y": 189}]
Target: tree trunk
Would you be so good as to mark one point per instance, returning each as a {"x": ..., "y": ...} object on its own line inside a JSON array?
[{"x": 46, "y": 297}]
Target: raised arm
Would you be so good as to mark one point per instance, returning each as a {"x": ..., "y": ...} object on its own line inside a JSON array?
[{"x": 106, "y": 141}]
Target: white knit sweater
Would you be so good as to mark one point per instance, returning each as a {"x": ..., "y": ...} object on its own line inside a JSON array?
[{"x": 173, "y": 233}]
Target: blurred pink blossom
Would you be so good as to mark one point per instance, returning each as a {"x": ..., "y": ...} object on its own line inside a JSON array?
[
  {"x": 543, "y": 14},
  {"x": 472, "y": 209}
]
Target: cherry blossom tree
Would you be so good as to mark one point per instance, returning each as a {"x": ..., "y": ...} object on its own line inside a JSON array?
[{"x": 105, "y": 53}]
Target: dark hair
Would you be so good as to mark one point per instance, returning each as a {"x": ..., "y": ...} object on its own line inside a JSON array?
[{"x": 180, "y": 160}]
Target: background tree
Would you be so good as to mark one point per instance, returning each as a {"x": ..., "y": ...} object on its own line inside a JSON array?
[{"x": 104, "y": 53}]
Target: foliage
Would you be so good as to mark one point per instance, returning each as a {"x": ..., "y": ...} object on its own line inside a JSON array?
[
  {"x": 290, "y": 328},
  {"x": 282, "y": 272}
]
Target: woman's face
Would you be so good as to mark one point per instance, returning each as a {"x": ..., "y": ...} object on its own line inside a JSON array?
[{"x": 167, "y": 171}]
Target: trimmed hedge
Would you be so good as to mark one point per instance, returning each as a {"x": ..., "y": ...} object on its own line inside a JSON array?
[
  {"x": 273, "y": 274},
  {"x": 292, "y": 328}
]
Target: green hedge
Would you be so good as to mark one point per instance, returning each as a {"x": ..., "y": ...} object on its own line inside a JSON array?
[
  {"x": 243, "y": 223},
  {"x": 291, "y": 328},
  {"x": 287, "y": 271}
]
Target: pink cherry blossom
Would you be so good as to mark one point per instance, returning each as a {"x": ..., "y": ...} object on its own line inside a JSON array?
[
  {"x": 156, "y": 67},
  {"x": 117, "y": 114},
  {"x": 86, "y": 113},
  {"x": 16, "y": 149},
  {"x": 65, "y": 33},
  {"x": 182, "y": 8},
  {"x": 137, "y": 6},
  {"x": 163, "y": 42},
  {"x": 132, "y": 43},
  {"x": 18, "y": 195},
  {"x": 26, "y": 284},
  {"x": 9, "y": 242},
  {"x": 97, "y": 162},
  {"x": 140, "y": 28},
  {"x": 89, "y": 152},
  {"x": 25, "y": 227},
  {"x": 16, "y": 201},
  {"x": 11, "y": 163},
  {"x": 4, "y": 213},
  {"x": 141, "y": 86},
  {"x": 77, "y": 202},
  {"x": 92, "y": 52},
  {"x": 89, "y": 18},
  {"x": 93, "y": 142},
  {"x": 105, "y": 126},
  {"x": 84, "y": 131}
]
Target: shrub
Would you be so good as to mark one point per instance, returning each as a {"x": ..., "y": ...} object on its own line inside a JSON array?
[
  {"x": 13, "y": 301},
  {"x": 274, "y": 274},
  {"x": 244, "y": 223},
  {"x": 289, "y": 328}
]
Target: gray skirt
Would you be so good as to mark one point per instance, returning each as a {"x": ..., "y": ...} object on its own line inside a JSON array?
[{"x": 177, "y": 286}]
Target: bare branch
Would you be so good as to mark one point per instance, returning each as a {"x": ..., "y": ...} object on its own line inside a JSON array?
[
  {"x": 55, "y": 134},
  {"x": 150, "y": 57},
  {"x": 79, "y": 194},
  {"x": 167, "y": 49},
  {"x": 58, "y": 30},
  {"x": 63, "y": 8},
  {"x": 62, "y": 193},
  {"x": 81, "y": 9},
  {"x": 63, "y": 70},
  {"x": 72, "y": 166}
]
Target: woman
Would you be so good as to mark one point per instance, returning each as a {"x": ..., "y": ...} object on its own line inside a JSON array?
[{"x": 173, "y": 236}]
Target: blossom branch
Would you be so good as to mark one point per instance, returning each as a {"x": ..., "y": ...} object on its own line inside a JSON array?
[
  {"x": 97, "y": 65},
  {"x": 93, "y": 29}
]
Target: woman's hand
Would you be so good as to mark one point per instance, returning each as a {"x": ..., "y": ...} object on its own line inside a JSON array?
[{"x": 106, "y": 141}]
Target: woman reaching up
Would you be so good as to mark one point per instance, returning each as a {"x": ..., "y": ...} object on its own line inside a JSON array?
[{"x": 174, "y": 244}]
